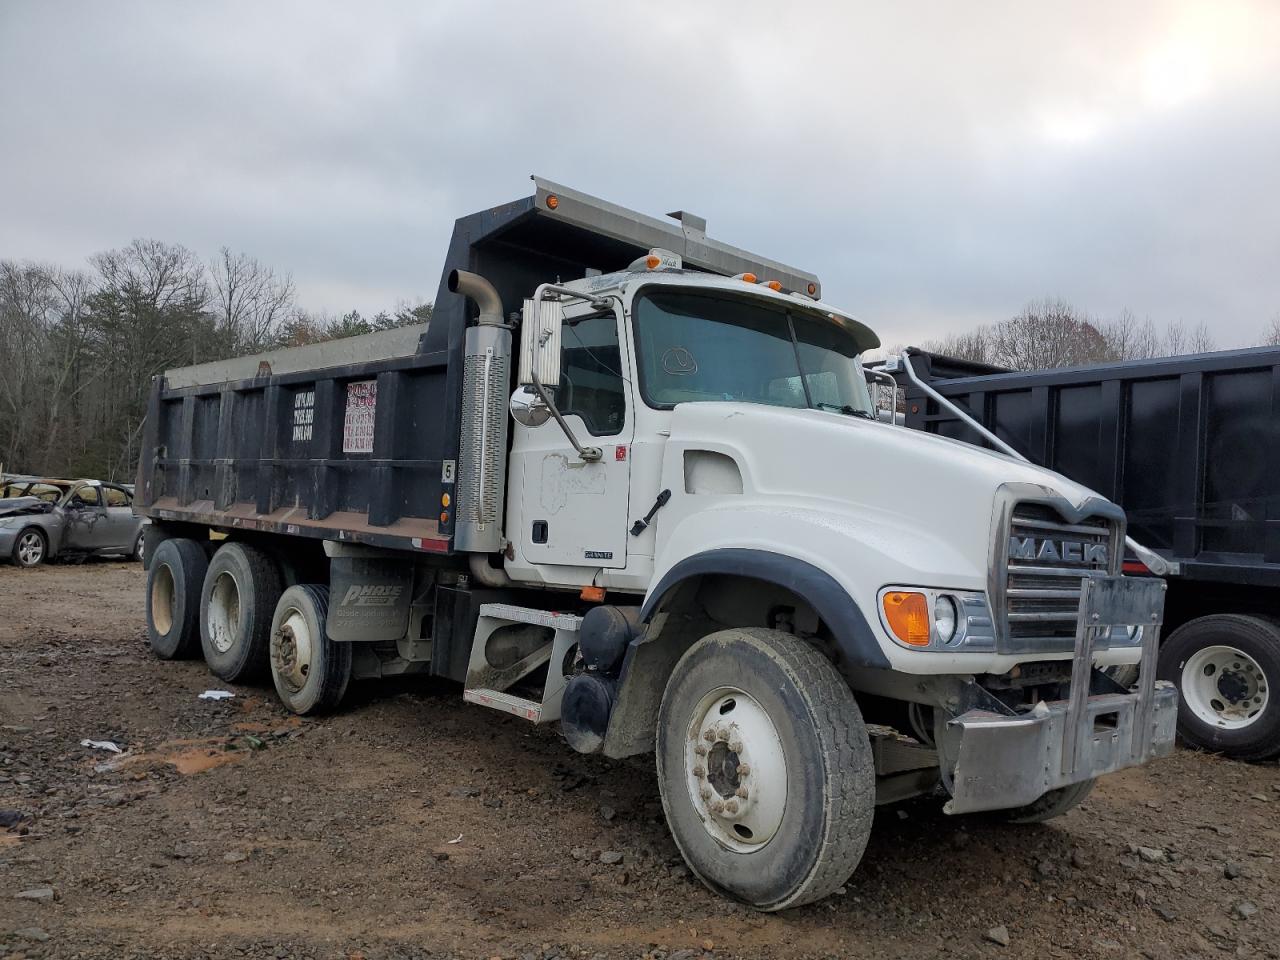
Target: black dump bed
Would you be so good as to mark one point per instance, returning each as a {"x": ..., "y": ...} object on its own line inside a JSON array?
[
  {"x": 358, "y": 439},
  {"x": 1189, "y": 446}
]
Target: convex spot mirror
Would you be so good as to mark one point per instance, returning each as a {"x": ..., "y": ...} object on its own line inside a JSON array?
[{"x": 528, "y": 409}]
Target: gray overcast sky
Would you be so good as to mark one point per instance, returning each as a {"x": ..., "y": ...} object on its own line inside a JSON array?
[{"x": 937, "y": 164}]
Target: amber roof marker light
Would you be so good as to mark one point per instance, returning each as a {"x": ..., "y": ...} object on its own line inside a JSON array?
[{"x": 552, "y": 201}]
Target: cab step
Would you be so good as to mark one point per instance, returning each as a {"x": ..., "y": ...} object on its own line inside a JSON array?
[{"x": 490, "y": 686}]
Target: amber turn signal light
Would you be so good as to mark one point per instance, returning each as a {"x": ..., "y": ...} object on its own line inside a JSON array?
[
  {"x": 908, "y": 616},
  {"x": 592, "y": 594}
]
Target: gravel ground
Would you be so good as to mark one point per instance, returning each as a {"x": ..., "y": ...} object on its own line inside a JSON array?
[{"x": 412, "y": 825}]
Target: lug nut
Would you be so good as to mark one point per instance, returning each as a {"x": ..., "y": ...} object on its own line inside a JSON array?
[
  {"x": 717, "y": 806},
  {"x": 700, "y": 750},
  {"x": 699, "y": 772},
  {"x": 723, "y": 735},
  {"x": 735, "y": 746},
  {"x": 731, "y": 806},
  {"x": 741, "y": 793},
  {"x": 744, "y": 769},
  {"x": 709, "y": 736},
  {"x": 705, "y": 793}
]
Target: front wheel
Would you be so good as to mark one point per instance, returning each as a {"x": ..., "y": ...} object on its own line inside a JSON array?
[
  {"x": 765, "y": 768},
  {"x": 31, "y": 548},
  {"x": 1226, "y": 668}
]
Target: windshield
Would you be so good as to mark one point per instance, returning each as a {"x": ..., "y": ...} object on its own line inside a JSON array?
[{"x": 695, "y": 346}]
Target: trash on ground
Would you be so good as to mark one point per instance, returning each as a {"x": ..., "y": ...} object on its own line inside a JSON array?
[
  {"x": 216, "y": 695},
  {"x": 101, "y": 745},
  {"x": 457, "y": 839}
]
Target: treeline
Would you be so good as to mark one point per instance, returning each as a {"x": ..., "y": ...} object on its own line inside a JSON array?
[
  {"x": 1052, "y": 333},
  {"x": 78, "y": 347}
]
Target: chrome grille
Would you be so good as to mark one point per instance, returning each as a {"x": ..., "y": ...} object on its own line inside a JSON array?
[{"x": 1046, "y": 560}]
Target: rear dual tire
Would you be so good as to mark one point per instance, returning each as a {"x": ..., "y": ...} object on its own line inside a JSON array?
[
  {"x": 174, "y": 578},
  {"x": 237, "y": 601},
  {"x": 310, "y": 671},
  {"x": 765, "y": 768}
]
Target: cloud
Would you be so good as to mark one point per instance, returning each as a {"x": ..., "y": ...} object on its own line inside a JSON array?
[{"x": 937, "y": 164}]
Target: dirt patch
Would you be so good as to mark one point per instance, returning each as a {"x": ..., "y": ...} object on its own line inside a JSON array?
[{"x": 331, "y": 838}]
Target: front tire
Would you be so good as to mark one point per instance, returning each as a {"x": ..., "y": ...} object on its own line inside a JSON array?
[
  {"x": 309, "y": 670},
  {"x": 765, "y": 768},
  {"x": 1227, "y": 671},
  {"x": 173, "y": 598},
  {"x": 31, "y": 548},
  {"x": 237, "y": 602}
]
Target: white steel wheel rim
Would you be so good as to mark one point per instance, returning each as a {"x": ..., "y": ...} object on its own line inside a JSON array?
[
  {"x": 1225, "y": 687},
  {"x": 736, "y": 770},
  {"x": 224, "y": 612},
  {"x": 30, "y": 548},
  {"x": 292, "y": 647}
]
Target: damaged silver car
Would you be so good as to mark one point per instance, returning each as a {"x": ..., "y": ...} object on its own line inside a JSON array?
[{"x": 41, "y": 519}]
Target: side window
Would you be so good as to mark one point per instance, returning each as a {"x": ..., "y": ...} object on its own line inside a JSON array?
[
  {"x": 88, "y": 496},
  {"x": 116, "y": 497},
  {"x": 591, "y": 374}
]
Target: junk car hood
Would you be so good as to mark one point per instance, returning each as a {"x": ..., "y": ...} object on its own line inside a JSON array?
[{"x": 20, "y": 506}]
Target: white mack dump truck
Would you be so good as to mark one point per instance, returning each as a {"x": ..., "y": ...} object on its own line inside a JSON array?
[{"x": 632, "y": 480}]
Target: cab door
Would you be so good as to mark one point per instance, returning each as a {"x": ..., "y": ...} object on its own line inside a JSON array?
[
  {"x": 121, "y": 525},
  {"x": 85, "y": 525},
  {"x": 575, "y": 512}
]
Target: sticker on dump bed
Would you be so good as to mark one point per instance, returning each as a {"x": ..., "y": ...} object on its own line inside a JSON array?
[{"x": 357, "y": 426}]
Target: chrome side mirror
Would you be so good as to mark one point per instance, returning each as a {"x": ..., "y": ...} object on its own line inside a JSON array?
[{"x": 528, "y": 409}]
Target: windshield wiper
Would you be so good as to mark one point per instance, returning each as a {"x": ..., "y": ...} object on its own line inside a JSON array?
[{"x": 844, "y": 408}]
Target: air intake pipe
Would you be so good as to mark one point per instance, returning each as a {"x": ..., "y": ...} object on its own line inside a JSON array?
[{"x": 482, "y": 446}]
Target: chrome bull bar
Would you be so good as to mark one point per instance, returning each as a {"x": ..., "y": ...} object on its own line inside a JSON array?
[{"x": 1004, "y": 762}]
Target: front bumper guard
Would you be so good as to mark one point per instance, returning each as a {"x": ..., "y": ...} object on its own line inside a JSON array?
[{"x": 1005, "y": 762}]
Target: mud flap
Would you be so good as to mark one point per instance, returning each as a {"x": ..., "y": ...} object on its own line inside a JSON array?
[{"x": 368, "y": 599}]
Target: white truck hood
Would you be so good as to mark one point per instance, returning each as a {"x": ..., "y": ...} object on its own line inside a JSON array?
[{"x": 870, "y": 503}]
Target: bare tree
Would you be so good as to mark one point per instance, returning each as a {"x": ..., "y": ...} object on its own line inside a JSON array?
[
  {"x": 975, "y": 345},
  {"x": 1047, "y": 333},
  {"x": 252, "y": 302},
  {"x": 1272, "y": 337}
]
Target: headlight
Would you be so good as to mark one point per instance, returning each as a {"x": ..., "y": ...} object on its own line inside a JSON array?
[
  {"x": 922, "y": 618},
  {"x": 944, "y": 618}
]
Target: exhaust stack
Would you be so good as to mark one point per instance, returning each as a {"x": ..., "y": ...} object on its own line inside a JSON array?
[{"x": 482, "y": 448}]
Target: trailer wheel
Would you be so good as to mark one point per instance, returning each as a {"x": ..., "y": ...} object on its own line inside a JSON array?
[
  {"x": 765, "y": 768},
  {"x": 237, "y": 601},
  {"x": 173, "y": 598},
  {"x": 1226, "y": 668},
  {"x": 1053, "y": 804},
  {"x": 310, "y": 671}
]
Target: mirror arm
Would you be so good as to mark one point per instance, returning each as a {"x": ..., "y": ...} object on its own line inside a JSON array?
[{"x": 589, "y": 454}]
